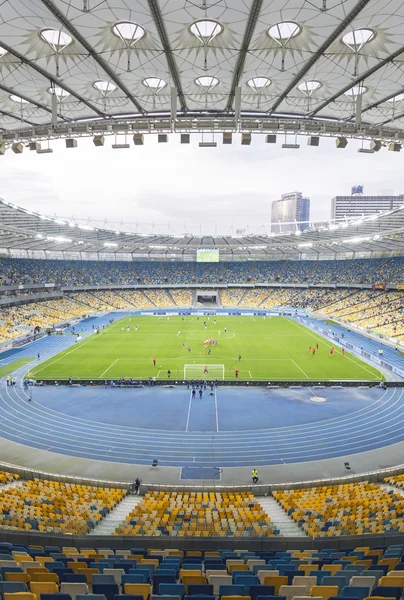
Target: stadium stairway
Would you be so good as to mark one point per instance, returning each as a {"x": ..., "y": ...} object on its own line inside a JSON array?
[
  {"x": 108, "y": 525},
  {"x": 287, "y": 527},
  {"x": 12, "y": 484}
]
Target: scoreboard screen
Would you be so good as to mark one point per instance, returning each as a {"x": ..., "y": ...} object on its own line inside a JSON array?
[{"x": 207, "y": 255}]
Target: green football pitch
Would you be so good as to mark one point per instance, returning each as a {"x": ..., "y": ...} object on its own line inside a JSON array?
[{"x": 270, "y": 348}]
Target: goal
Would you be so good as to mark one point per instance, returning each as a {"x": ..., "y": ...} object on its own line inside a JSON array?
[{"x": 196, "y": 371}]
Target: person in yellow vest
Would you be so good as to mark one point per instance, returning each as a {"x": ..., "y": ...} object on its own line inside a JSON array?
[{"x": 254, "y": 475}]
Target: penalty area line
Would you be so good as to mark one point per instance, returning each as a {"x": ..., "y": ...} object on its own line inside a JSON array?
[{"x": 110, "y": 367}]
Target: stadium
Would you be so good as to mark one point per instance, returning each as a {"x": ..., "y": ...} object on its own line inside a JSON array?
[{"x": 199, "y": 416}]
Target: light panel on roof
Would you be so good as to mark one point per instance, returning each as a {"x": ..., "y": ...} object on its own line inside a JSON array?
[{"x": 57, "y": 39}]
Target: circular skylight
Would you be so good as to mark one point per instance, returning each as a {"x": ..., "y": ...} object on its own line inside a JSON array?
[
  {"x": 358, "y": 38},
  {"x": 309, "y": 87},
  {"x": 128, "y": 31},
  {"x": 397, "y": 98},
  {"x": 58, "y": 92},
  {"x": 207, "y": 82},
  {"x": 284, "y": 31},
  {"x": 356, "y": 90},
  {"x": 154, "y": 83},
  {"x": 206, "y": 30},
  {"x": 20, "y": 101},
  {"x": 258, "y": 83},
  {"x": 3, "y": 51},
  {"x": 56, "y": 39},
  {"x": 105, "y": 87}
]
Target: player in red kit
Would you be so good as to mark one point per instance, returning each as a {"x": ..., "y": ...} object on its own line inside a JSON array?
[
  {"x": 342, "y": 351},
  {"x": 154, "y": 362},
  {"x": 316, "y": 346}
]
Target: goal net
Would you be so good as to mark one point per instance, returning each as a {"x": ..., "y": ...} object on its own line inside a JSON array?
[{"x": 197, "y": 371}]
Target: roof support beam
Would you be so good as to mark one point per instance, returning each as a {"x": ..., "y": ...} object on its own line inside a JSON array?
[
  {"x": 161, "y": 28},
  {"x": 385, "y": 99},
  {"x": 17, "y": 118},
  {"x": 28, "y": 99},
  {"x": 248, "y": 33},
  {"x": 49, "y": 77},
  {"x": 321, "y": 50},
  {"x": 94, "y": 55},
  {"x": 360, "y": 80}
]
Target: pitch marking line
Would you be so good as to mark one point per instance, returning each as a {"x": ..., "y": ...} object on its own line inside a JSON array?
[
  {"x": 300, "y": 369},
  {"x": 110, "y": 367},
  {"x": 91, "y": 338},
  {"x": 329, "y": 344}
]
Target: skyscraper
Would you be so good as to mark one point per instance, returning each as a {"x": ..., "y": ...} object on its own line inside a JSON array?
[
  {"x": 290, "y": 213},
  {"x": 358, "y": 205}
]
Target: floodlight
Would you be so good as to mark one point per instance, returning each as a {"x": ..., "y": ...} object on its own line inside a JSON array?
[
  {"x": 162, "y": 138},
  {"x": 138, "y": 139},
  {"x": 17, "y": 148},
  {"x": 98, "y": 140},
  {"x": 375, "y": 145},
  {"x": 313, "y": 140},
  {"x": 120, "y": 146},
  {"x": 185, "y": 138},
  {"x": 341, "y": 142},
  {"x": 394, "y": 147},
  {"x": 34, "y": 146},
  {"x": 291, "y": 146},
  {"x": 227, "y": 137},
  {"x": 71, "y": 143},
  {"x": 366, "y": 150},
  {"x": 270, "y": 139},
  {"x": 2, "y": 149},
  {"x": 44, "y": 151},
  {"x": 245, "y": 139},
  {"x": 207, "y": 144}
]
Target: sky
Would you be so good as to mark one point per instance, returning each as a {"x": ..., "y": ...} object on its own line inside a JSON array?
[{"x": 176, "y": 189}]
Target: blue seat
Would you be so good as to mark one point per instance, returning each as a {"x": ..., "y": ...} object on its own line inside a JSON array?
[
  {"x": 199, "y": 597},
  {"x": 387, "y": 591},
  {"x": 128, "y": 597},
  {"x": 159, "y": 579},
  {"x": 109, "y": 590},
  {"x": 355, "y": 591},
  {"x": 101, "y": 579},
  {"x": 135, "y": 578},
  {"x": 291, "y": 574},
  {"x": 271, "y": 598},
  {"x": 56, "y": 596},
  {"x": 50, "y": 549},
  {"x": 320, "y": 575},
  {"x": 137, "y": 571},
  {"x": 204, "y": 589},
  {"x": 166, "y": 571},
  {"x": 384, "y": 568},
  {"x": 11, "y": 587},
  {"x": 6, "y": 556},
  {"x": 5, "y": 570},
  {"x": 73, "y": 578},
  {"x": 399, "y": 567},
  {"x": 354, "y": 570},
  {"x": 246, "y": 581},
  {"x": 261, "y": 590},
  {"x": 236, "y": 574},
  {"x": 172, "y": 589},
  {"x": 90, "y": 597},
  {"x": 51, "y": 566},
  {"x": 283, "y": 569},
  {"x": 141, "y": 551},
  {"x": 231, "y": 590},
  {"x": 142, "y": 567},
  {"x": 61, "y": 572},
  {"x": 340, "y": 582}
]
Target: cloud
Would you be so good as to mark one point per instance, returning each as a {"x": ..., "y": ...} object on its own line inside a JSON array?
[{"x": 183, "y": 187}]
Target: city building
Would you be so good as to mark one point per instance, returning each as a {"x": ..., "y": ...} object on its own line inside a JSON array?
[
  {"x": 290, "y": 213},
  {"x": 357, "y": 205}
]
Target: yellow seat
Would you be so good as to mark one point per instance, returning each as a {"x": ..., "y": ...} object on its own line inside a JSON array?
[
  {"x": 395, "y": 580},
  {"x": 141, "y": 589},
  {"x": 24, "y": 577},
  {"x": 391, "y": 562},
  {"x": 232, "y": 568},
  {"x": 43, "y": 587},
  {"x": 325, "y": 591},
  {"x": 184, "y": 572},
  {"x": 276, "y": 581},
  {"x": 19, "y": 596},
  {"x": 48, "y": 577},
  {"x": 32, "y": 570}
]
